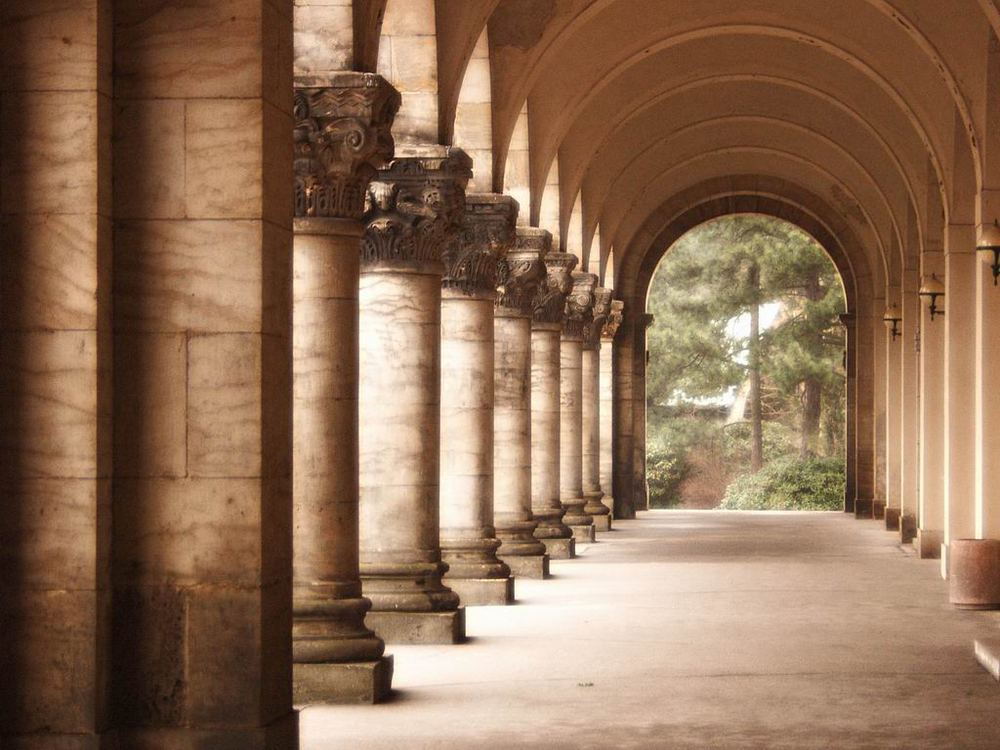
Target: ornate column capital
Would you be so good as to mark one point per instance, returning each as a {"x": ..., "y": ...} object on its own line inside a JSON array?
[
  {"x": 521, "y": 273},
  {"x": 580, "y": 305},
  {"x": 416, "y": 207},
  {"x": 488, "y": 233},
  {"x": 550, "y": 299},
  {"x": 600, "y": 312},
  {"x": 343, "y": 134},
  {"x": 614, "y": 319}
]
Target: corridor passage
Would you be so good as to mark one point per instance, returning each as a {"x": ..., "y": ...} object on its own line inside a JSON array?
[{"x": 700, "y": 630}]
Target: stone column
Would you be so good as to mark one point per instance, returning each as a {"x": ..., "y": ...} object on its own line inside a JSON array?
[
  {"x": 849, "y": 322},
  {"x": 579, "y": 313},
  {"x": 932, "y": 425},
  {"x": 909, "y": 493},
  {"x": 468, "y": 540},
  {"x": 591, "y": 395},
  {"x": 960, "y": 388},
  {"x": 342, "y": 135},
  {"x": 515, "y": 525},
  {"x": 607, "y": 399},
  {"x": 893, "y": 420},
  {"x": 546, "y": 328},
  {"x": 416, "y": 208},
  {"x": 987, "y": 409}
]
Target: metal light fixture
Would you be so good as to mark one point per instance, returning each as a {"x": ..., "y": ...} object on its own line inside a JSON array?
[
  {"x": 892, "y": 318},
  {"x": 989, "y": 242},
  {"x": 931, "y": 289}
]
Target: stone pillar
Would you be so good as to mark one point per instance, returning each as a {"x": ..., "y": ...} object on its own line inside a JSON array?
[
  {"x": 878, "y": 354},
  {"x": 515, "y": 525},
  {"x": 546, "y": 329},
  {"x": 987, "y": 409},
  {"x": 849, "y": 323},
  {"x": 55, "y": 374},
  {"x": 416, "y": 208},
  {"x": 909, "y": 494},
  {"x": 202, "y": 493},
  {"x": 579, "y": 313},
  {"x": 607, "y": 401},
  {"x": 468, "y": 539},
  {"x": 342, "y": 135},
  {"x": 893, "y": 420},
  {"x": 960, "y": 388},
  {"x": 930, "y": 519},
  {"x": 591, "y": 395}
]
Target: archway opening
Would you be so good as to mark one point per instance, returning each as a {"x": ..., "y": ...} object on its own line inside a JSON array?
[{"x": 746, "y": 373}]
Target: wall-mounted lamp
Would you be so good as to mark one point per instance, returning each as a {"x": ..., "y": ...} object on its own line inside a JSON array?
[
  {"x": 989, "y": 242},
  {"x": 892, "y": 318},
  {"x": 931, "y": 289}
]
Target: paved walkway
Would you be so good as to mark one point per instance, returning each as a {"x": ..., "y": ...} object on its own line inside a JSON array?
[{"x": 700, "y": 630}]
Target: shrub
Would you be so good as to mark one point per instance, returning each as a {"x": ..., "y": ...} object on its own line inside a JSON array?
[
  {"x": 789, "y": 484},
  {"x": 665, "y": 471}
]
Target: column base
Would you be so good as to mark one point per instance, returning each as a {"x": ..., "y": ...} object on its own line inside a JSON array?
[
  {"x": 560, "y": 549},
  {"x": 907, "y": 528},
  {"x": 61, "y": 741},
  {"x": 351, "y": 682},
  {"x": 282, "y": 734},
  {"x": 988, "y": 655},
  {"x": 863, "y": 508},
  {"x": 892, "y": 519},
  {"x": 528, "y": 566},
  {"x": 602, "y": 523},
  {"x": 928, "y": 544},
  {"x": 483, "y": 591},
  {"x": 419, "y": 628},
  {"x": 583, "y": 534},
  {"x": 878, "y": 510}
]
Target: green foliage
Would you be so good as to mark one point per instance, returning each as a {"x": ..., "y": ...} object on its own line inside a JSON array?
[
  {"x": 790, "y": 484},
  {"x": 665, "y": 471}
]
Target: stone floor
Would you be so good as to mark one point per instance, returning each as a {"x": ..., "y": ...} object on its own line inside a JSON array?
[{"x": 700, "y": 630}]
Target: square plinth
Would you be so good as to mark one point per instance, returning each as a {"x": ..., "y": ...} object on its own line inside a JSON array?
[
  {"x": 528, "y": 566},
  {"x": 892, "y": 519},
  {"x": 602, "y": 523},
  {"x": 863, "y": 508},
  {"x": 907, "y": 528},
  {"x": 928, "y": 544},
  {"x": 878, "y": 509},
  {"x": 583, "y": 534},
  {"x": 351, "y": 682},
  {"x": 560, "y": 549},
  {"x": 482, "y": 591},
  {"x": 418, "y": 628}
]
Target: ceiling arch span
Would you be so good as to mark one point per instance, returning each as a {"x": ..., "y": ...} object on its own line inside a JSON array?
[
  {"x": 554, "y": 109},
  {"x": 840, "y": 245},
  {"x": 624, "y": 216},
  {"x": 593, "y": 162}
]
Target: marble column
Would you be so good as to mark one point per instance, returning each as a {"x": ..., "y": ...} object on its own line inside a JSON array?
[
  {"x": 930, "y": 519},
  {"x": 593, "y": 492},
  {"x": 607, "y": 399},
  {"x": 546, "y": 330},
  {"x": 909, "y": 480},
  {"x": 960, "y": 389},
  {"x": 469, "y": 289},
  {"x": 342, "y": 135},
  {"x": 416, "y": 208},
  {"x": 893, "y": 419},
  {"x": 515, "y": 525},
  {"x": 579, "y": 313},
  {"x": 987, "y": 409}
]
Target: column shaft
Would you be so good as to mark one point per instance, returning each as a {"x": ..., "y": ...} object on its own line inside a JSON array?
[
  {"x": 909, "y": 496},
  {"x": 571, "y": 439},
  {"x": 987, "y": 408},
  {"x": 592, "y": 488},
  {"x": 607, "y": 400},
  {"x": 416, "y": 207},
  {"x": 932, "y": 442},
  {"x": 960, "y": 389},
  {"x": 893, "y": 423},
  {"x": 337, "y": 658}
]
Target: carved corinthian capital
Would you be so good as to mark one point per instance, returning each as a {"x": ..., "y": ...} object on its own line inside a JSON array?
[
  {"x": 519, "y": 276},
  {"x": 579, "y": 305},
  {"x": 614, "y": 319},
  {"x": 550, "y": 300},
  {"x": 416, "y": 207},
  {"x": 599, "y": 314},
  {"x": 343, "y": 134},
  {"x": 472, "y": 264}
]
